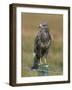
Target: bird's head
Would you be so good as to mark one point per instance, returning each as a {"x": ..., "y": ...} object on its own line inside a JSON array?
[{"x": 43, "y": 26}]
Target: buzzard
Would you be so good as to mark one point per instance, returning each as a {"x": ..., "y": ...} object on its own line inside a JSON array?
[{"x": 42, "y": 44}]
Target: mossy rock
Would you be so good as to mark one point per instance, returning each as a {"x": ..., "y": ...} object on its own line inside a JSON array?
[{"x": 43, "y": 70}]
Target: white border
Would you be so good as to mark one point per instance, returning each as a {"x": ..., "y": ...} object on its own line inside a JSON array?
[{"x": 63, "y": 77}]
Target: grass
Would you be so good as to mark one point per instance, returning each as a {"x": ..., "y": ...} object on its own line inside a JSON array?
[{"x": 55, "y": 56}]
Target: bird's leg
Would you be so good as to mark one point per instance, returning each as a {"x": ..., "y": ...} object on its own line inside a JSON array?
[
  {"x": 45, "y": 61},
  {"x": 41, "y": 60}
]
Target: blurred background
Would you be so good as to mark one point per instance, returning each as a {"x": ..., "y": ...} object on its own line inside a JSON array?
[{"x": 29, "y": 26}]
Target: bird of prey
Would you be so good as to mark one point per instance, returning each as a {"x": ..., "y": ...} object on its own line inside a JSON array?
[{"x": 42, "y": 44}]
